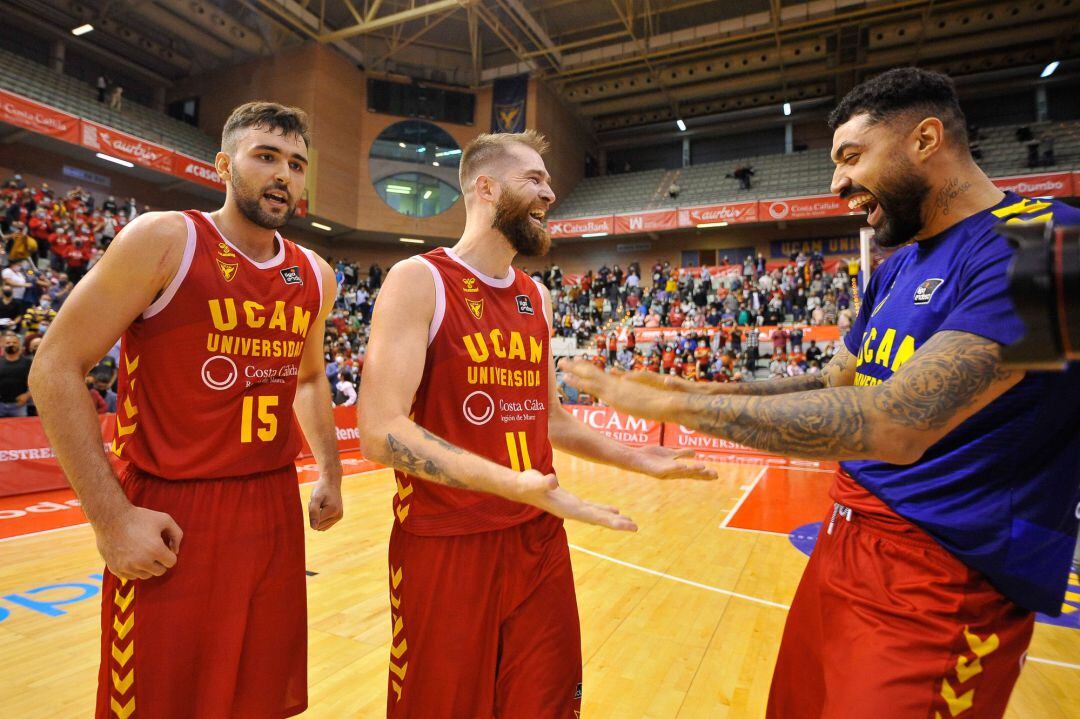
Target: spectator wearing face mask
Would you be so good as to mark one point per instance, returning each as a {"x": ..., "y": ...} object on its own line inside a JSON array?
[
  {"x": 14, "y": 279},
  {"x": 11, "y": 310},
  {"x": 14, "y": 376},
  {"x": 101, "y": 379}
]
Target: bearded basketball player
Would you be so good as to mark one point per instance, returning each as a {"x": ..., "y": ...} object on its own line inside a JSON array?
[
  {"x": 956, "y": 501},
  {"x": 203, "y": 602},
  {"x": 459, "y": 397}
]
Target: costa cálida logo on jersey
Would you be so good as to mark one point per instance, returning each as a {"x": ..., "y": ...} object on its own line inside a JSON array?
[
  {"x": 524, "y": 304},
  {"x": 228, "y": 269}
]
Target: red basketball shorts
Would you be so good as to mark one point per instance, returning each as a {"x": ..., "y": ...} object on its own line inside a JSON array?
[
  {"x": 888, "y": 625},
  {"x": 484, "y": 625},
  {"x": 223, "y": 634}
]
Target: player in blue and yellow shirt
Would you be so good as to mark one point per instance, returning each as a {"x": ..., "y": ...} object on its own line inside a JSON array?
[{"x": 959, "y": 489}]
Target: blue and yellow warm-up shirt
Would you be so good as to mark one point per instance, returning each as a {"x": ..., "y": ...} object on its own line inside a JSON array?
[{"x": 1002, "y": 490}]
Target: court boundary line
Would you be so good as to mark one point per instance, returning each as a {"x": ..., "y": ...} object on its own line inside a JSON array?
[
  {"x": 747, "y": 597},
  {"x": 83, "y": 524},
  {"x": 746, "y": 493},
  {"x": 680, "y": 580}
]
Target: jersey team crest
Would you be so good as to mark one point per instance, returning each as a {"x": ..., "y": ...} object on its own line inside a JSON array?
[
  {"x": 228, "y": 269},
  {"x": 476, "y": 307}
]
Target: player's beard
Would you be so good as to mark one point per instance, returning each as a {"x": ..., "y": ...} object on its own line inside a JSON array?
[
  {"x": 513, "y": 221},
  {"x": 249, "y": 199},
  {"x": 901, "y": 196}
]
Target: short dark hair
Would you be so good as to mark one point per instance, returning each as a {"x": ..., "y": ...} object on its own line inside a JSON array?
[
  {"x": 906, "y": 91},
  {"x": 268, "y": 116}
]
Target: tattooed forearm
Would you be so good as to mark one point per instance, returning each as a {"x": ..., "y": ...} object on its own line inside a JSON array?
[
  {"x": 784, "y": 385},
  {"x": 953, "y": 370},
  {"x": 407, "y": 460},
  {"x": 840, "y": 370},
  {"x": 830, "y": 424},
  {"x": 453, "y": 448}
]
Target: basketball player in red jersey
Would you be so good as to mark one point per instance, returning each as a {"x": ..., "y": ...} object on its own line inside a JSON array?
[
  {"x": 459, "y": 396},
  {"x": 203, "y": 601}
]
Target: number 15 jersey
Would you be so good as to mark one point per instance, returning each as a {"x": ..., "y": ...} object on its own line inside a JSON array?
[{"x": 208, "y": 371}]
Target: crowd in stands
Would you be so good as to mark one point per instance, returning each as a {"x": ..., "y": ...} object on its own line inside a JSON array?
[
  {"x": 707, "y": 318},
  {"x": 49, "y": 242}
]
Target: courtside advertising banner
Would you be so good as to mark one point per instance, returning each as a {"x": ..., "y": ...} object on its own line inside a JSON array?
[
  {"x": 27, "y": 462},
  {"x": 1048, "y": 184},
  {"x": 617, "y": 425},
  {"x": 803, "y": 208},
  {"x": 656, "y": 221},
  {"x": 42, "y": 119},
  {"x": 599, "y": 225},
  {"x": 730, "y": 213},
  {"x": 678, "y": 437},
  {"x": 127, "y": 147},
  {"x": 194, "y": 170}
]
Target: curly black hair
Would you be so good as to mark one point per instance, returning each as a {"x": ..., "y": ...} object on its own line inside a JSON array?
[{"x": 905, "y": 91}]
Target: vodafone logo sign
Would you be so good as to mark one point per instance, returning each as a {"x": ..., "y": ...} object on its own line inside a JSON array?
[
  {"x": 219, "y": 372},
  {"x": 478, "y": 408}
]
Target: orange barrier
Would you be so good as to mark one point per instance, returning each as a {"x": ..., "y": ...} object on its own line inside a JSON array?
[
  {"x": 27, "y": 463},
  {"x": 617, "y": 425}
]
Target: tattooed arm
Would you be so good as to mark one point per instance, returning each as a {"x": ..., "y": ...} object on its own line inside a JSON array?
[
  {"x": 839, "y": 372},
  {"x": 393, "y": 369},
  {"x": 950, "y": 378}
]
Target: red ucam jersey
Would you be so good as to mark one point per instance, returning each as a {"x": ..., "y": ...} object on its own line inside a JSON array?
[
  {"x": 208, "y": 371},
  {"x": 484, "y": 389}
]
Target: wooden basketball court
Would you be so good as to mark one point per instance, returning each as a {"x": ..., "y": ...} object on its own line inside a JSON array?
[{"x": 682, "y": 619}]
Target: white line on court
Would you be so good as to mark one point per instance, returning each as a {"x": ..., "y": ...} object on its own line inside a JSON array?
[
  {"x": 673, "y": 578},
  {"x": 747, "y": 597},
  {"x": 749, "y": 490}
]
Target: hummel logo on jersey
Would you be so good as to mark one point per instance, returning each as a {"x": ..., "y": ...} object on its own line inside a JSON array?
[
  {"x": 291, "y": 275},
  {"x": 470, "y": 284},
  {"x": 524, "y": 304},
  {"x": 476, "y": 307},
  {"x": 926, "y": 290}
]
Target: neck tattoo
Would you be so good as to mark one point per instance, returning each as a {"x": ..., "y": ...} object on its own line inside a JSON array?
[{"x": 952, "y": 189}]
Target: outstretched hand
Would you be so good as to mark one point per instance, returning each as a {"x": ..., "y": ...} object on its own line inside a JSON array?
[
  {"x": 543, "y": 491},
  {"x": 662, "y": 463},
  {"x": 620, "y": 390}
]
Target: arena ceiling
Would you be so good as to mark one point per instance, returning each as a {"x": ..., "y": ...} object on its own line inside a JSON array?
[{"x": 626, "y": 67}]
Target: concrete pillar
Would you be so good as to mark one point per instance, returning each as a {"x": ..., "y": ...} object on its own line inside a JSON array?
[
  {"x": 159, "y": 99},
  {"x": 686, "y": 152},
  {"x": 1042, "y": 108},
  {"x": 601, "y": 159},
  {"x": 56, "y": 56},
  {"x": 789, "y": 138}
]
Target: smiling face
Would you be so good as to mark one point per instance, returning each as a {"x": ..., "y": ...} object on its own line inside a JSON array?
[
  {"x": 875, "y": 172},
  {"x": 265, "y": 175},
  {"x": 525, "y": 196}
]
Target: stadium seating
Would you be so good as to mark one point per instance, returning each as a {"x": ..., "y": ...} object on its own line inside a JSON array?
[
  {"x": 779, "y": 175},
  {"x": 37, "y": 82}
]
